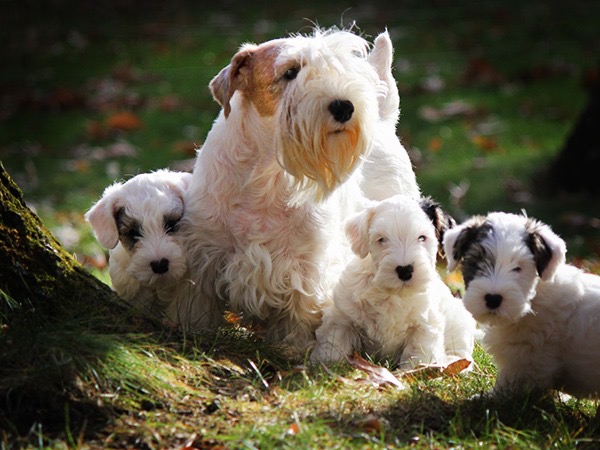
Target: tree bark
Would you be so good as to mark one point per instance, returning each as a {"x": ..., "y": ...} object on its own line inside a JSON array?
[
  {"x": 36, "y": 273},
  {"x": 577, "y": 166}
]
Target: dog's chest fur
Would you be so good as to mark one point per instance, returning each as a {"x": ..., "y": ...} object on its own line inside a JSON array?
[{"x": 389, "y": 320}]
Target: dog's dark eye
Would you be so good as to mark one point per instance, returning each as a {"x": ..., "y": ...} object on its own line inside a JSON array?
[
  {"x": 382, "y": 240},
  {"x": 422, "y": 238},
  {"x": 516, "y": 269},
  {"x": 134, "y": 234},
  {"x": 291, "y": 73},
  {"x": 172, "y": 225}
]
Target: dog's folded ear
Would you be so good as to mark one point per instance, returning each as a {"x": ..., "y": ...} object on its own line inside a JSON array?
[
  {"x": 380, "y": 58},
  {"x": 101, "y": 218},
  {"x": 224, "y": 85},
  {"x": 458, "y": 240},
  {"x": 549, "y": 250},
  {"x": 357, "y": 231},
  {"x": 442, "y": 221},
  {"x": 179, "y": 182}
]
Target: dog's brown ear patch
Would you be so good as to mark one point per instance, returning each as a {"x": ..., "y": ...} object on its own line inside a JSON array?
[
  {"x": 252, "y": 72},
  {"x": 227, "y": 81}
]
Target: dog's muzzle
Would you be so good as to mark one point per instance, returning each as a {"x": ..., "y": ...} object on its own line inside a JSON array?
[
  {"x": 341, "y": 110},
  {"x": 493, "y": 301},
  {"x": 405, "y": 272},
  {"x": 161, "y": 266}
]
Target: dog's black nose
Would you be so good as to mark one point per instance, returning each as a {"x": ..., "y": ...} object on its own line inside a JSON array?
[
  {"x": 405, "y": 272},
  {"x": 341, "y": 110},
  {"x": 160, "y": 266},
  {"x": 492, "y": 301}
]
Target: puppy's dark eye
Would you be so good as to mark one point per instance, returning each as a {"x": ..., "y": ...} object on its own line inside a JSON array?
[
  {"x": 291, "y": 73},
  {"x": 516, "y": 269},
  {"x": 134, "y": 234},
  {"x": 382, "y": 240},
  {"x": 422, "y": 238},
  {"x": 172, "y": 225}
]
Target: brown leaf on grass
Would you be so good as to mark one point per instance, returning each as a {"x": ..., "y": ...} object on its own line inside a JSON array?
[
  {"x": 378, "y": 375},
  {"x": 293, "y": 429},
  {"x": 435, "y": 144},
  {"x": 485, "y": 143},
  {"x": 371, "y": 424},
  {"x": 431, "y": 371},
  {"x": 124, "y": 121}
]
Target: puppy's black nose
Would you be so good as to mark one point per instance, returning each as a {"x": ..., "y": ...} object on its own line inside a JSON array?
[
  {"x": 492, "y": 301},
  {"x": 160, "y": 266},
  {"x": 405, "y": 272},
  {"x": 341, "y": 110}
]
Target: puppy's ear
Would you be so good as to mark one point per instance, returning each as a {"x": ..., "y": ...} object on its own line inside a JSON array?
[
  {"x": 380, "y": 58},
  {"x": 442, "y": 221},
  {"x": 458, "y": 240},
  {"x": 228, "y": 80},
  {"x": 357, "y": 231},
  {"x": 549, "y": 250},
  {"x": 101, "y": 217},
  {"x": 179, "y": 182}
]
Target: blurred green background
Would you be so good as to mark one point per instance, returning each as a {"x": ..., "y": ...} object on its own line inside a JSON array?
[{"x": 92, "y": 92}]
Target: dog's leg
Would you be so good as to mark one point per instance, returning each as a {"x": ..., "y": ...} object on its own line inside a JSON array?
[
  {"x": 336, "y": 337},
  {"x": 424, "y": 345}
]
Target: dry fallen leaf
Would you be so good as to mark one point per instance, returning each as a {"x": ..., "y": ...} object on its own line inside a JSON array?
[
  {"x": 377, "y": 375},
  {"x": 484, "y": 143},
  {"x": 370, "y": 424},
  {"x": 431, "y": 371},
  {"x": 125, "y": 121},
  {"x": 293, "y": 429}
]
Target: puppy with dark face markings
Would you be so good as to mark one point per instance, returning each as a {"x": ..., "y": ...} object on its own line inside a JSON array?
[
  {"x": 139, "y": 222},
  {"x": 390, "y": 301},
  {"x": 540, "y": 315}
]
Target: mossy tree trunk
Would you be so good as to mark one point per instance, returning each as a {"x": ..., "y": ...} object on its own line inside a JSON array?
[
  {"x": 56, "y": 322},
  {"x": 36, "y": 273}
]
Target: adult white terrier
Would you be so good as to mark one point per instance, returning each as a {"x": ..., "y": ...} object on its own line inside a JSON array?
[
  {"x": 540, "y": 315},
  {"x": 390, "y": 300},
  {"x": 276, "y": 177},
  {"x": 139, "y": 222}
]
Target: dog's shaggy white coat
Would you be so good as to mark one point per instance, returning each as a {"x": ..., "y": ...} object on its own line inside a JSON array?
[
  {"x": 277, "y": 176},
  {"x": 540, "y": 315},
  {"x": 390, "y": 300}
]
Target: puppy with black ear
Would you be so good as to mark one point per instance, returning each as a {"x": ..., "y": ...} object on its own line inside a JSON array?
[
  {"x": 540, "y": 315},
  {"x": 138, "y": 221},
  {"x": 390, "y": 300}
]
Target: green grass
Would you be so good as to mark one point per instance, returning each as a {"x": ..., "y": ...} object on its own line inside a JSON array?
[{"x": 70, "y": 384}]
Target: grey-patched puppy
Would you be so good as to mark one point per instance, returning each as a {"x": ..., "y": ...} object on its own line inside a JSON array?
[
  {"x": 540, "y": 315},
  {"x": 138, "y": 220}
]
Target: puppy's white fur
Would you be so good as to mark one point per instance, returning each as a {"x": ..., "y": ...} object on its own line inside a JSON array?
[
  {"x": 383, "y": 308},
  {"x": 276, "y": 177},
  {"x": 540, "y": 315},
  {"x": 138, "y": 220}
]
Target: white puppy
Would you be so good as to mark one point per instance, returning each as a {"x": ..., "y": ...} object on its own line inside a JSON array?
[
  {"x": 139, "y": 222},
  {"x": 390, "y": 300},
  {"x": 277, "y": 177},
  {"x": 540, "y": 315}
]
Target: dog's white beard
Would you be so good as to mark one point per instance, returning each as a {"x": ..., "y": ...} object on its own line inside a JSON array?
[{"x": 319, "y": 153}]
